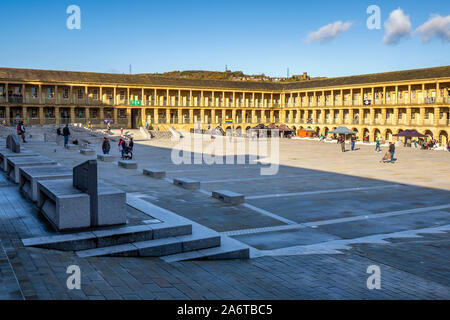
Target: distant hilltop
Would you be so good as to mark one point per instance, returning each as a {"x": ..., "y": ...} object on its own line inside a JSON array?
[{"x": 232, "y": 75}]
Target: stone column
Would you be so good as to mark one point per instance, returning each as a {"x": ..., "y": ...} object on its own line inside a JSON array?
[
  {"x": 383, "y": 116},
  {"x": 115, "y": 113},
  {"x": 361, "y": 116},
  {"x": 408, "y": 116},
  {"x": 436, "y": 116},
  {"x": 191, "y": 116},
  {"x": 129, "y": 114},
  {"x": 57, "y": 116},
  {"x": 72, "y": 114},
  {"x": 421, "y": 116},
  {"x": 213, "y": 116},
  {"x": 395, "y": 117},
  {"x": 350, "y": 115}
]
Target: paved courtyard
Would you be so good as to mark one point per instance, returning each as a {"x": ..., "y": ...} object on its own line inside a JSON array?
[{"x": 313, "y": 228}]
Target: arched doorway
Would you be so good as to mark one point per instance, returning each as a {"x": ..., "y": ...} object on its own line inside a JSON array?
[
  {"x": 429, "y": 135},
  {"x": 325, "y": 131},
  {"x": 443, "y": 138},
  {"x": 239, "y": 131},
  {"x": 377, "y": 134},
  {"x": 366, "y": 135},
  {"x": 388, "y": 135}
]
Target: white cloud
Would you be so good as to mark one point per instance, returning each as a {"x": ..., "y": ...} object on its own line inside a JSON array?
[
  {"x": 329, "y": 32},
  {"x": 397, "y": 26},
  {"x": 436, "y": 26}
]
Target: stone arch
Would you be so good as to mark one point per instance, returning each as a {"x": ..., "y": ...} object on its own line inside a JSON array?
[
  {"x": 317, "y": 131},
  {"x": 248, "y": 129},
  {"x": 325, "y": 131},
  {"x": 399, "y": 131},
  {"x": 376, "y": 134},
  {"x": 388, "y": 135},
  {"x": 365, "y": 133},
  {"x": 443, "y": 138},
  {"x": 429, "y": 134},
  {"x": 239, "y": 131}
]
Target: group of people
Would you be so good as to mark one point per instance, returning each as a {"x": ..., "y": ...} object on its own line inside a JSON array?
[
  {"x": 388, "y": 157},
  {"x": 65, "y": 132}
]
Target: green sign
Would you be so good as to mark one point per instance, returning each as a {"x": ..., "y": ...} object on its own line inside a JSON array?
[{"x": 136, "y": 102}]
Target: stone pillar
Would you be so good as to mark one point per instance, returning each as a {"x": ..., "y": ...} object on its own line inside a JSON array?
[
  {"x": 224, "y": 114},
  {"x": 115, "y": 113},
  {"x": 167, "y": 115},
  {"x": 421, "y": 116},
  {"x": 350, "y": 115},
  {"x": 408, "y": 116},
  {"x": 361, "y": 116},
  {"x": 180, "y": 116},
  {"x": 436, "y": 116},
  {"x": 72, "y": 114},
  {"x": 213, "y": 116},
  {"x": 384, "y": 95},
  {"x": 102, "y": 116},
  {"x": 155, "y": 116},
  {"x": 395, "y": 117},
  {"x": 129, "y": 114},
  {"x": 57, "y": 116},
  {"x": 383, "y": 116},
  {"x": 202, "y": 116}
]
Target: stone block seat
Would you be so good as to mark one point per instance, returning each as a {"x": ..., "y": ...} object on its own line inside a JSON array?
[
  {"x": 154, "y": 173},
  {"x": 87, "y": 151},
  {"x": 105, "y": 157},
  {"x": 187, "y": 183},
  {"x": 66, "y": 207},
  {"x": 229, "y": 197},
  {"x": 6, "y": 153},
  {"x": 29, "y": 176},
  {"x": 14, "y": 164},
  {"x": 106, "y": 204},
  {"x": 127, "y": 164}
]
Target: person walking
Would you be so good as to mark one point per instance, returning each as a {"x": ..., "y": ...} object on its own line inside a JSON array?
[
  {"x": 341, "y": 140},
  {"x": 21, "y": 131},
  {"x": 106, "y": 146},
  {"x": 377, "y": 145},
  {"x": 122, "y": 146},
  {"x": 353, "y": 141},
  {"x": 131, "y": 144},
  {"x": 392, "y": 150},
  {"x": 66, "y": 134}
]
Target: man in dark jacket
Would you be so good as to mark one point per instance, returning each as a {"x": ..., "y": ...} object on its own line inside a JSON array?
[
  {"x": 106, "y": 146},
  {"x": 66, "y": 134},
  {"x": 392, "y": 150}
]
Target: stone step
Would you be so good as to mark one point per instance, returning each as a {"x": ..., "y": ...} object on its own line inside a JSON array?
[
  {"x": 229, "y": 249},
  {"x": 229, "y": 197},
  {"x": 108, "y": 237},
  {"x": 127, "y": 164},
  {"x": 154, "y": 173},
  {"x": 158, "y": 247},
  {"x": 187, "y": 183}
]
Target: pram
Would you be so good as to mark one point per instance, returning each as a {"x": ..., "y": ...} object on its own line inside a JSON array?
[
  {"x": 127, "y": 153},
  {"x": 386, "y": 158}
]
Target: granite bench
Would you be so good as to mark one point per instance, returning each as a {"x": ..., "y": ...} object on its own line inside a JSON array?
[
  {"x": 87, "y": 151},
  {"x": 229, "y": 197},
  {"x": 29, "y": 176},
  {"x": 15, "y": 163},
  {"x": 6, "y": 153},
  {"x": 105, "y": 157},
  {"x": 187, "y": 183},
  {"x": 66, "y": 207},
  {"x": 154, "y": 173},
  {"x": 128, "y": 164}
]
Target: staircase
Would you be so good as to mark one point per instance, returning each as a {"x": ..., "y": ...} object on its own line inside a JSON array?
[{"x": 175, "y": 238}]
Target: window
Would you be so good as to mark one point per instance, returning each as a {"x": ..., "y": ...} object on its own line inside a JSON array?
[
  {"x": 95, "y": 94},
  {"x": 34, "y": 92},
  {"x": 66, "y": 93},
  {"x": 50, "y": 93},
  {"x": 122, "y": 114},
  {"x": 80, "y": 93},
  {"x": 122, "y": 95},
  {"x": 109, "y": 95}
]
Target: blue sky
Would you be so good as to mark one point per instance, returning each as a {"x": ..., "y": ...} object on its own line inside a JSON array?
[{"x": 252, "y": 36}]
